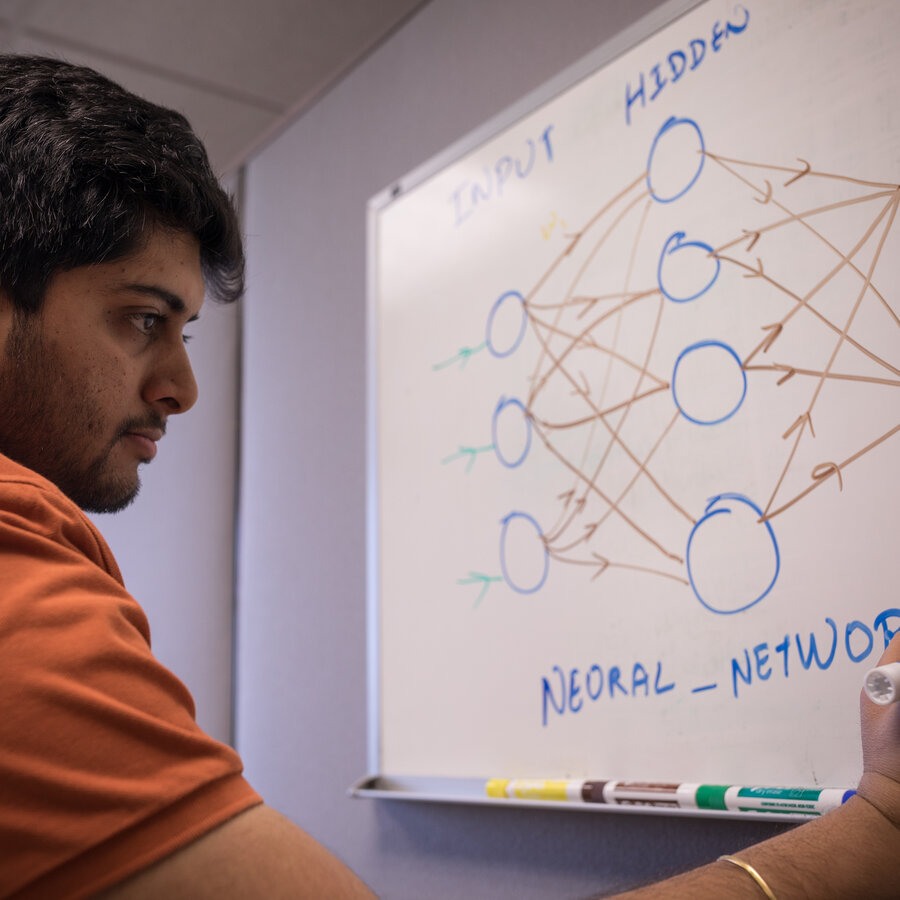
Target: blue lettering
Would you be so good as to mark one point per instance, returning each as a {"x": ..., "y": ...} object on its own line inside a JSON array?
[
  {"x": 503, "y": 170},
  {"x": 459, "y": 215},
  {"x": 519, "y": 171},
  {"x": 737, "y": 29},
  {"x": 615, "y": 682},
  {"x": 479, "y": 193},
  {"x": 594, "y": 668},
  {"x": 677, "y": 71},
  {"x": 806, "y": 661},
  {"x": 857, "y": 626},
  {"x": 494, "y": 182},
  {"x": 736, "y": 671},
  {"x": 630, "y": 98},
  {"x": 881, "y": 622},
  {"x": 679, "y": 62},
  {"x": 574, "y": 691},
  {"x": 545, "y": 137},
  {"x": 660, "y": 82},
  {"x": 783, "y": 649},
  {"x": 697, "y": 56},
  {"x": 548, "y": 692},
  {"x": 761, "y": 654},
  {"x": 639, "y": 678},
  {"x": 718, "y": 34},
  {"x": 661, "y": 688}
]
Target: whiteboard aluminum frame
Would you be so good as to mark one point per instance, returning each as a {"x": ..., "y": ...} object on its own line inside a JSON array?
[
  {"x": 472, "y": 791},
  {"x": 458, "y": 790}
]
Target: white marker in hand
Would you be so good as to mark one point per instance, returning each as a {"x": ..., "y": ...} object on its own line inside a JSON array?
[{"x": 883, "y": 684}]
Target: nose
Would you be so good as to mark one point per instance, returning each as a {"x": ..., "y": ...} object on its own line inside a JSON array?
[{"x": 171, "y": 383}]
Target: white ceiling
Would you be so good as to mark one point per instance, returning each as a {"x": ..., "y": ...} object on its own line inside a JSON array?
[{"x": 240, "y": 70}]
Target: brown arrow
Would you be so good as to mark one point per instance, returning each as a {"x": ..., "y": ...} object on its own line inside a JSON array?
[
  {"x": 768, "y": 194},
  {"x": 775, "y": 328},
  {"x": 799, "y": 174},
  {"x": 803, "y": 420},
  {"x": 789, "y": 374},
  {"x": 823, "y": 470},
  {"x": 603, "y": 565},
  {"x": 759, "y": 270},
  {"x": 575, "y": 239}
]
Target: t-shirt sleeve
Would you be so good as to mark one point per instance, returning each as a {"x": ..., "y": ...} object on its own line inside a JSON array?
[{"x": 103, "y": 769}]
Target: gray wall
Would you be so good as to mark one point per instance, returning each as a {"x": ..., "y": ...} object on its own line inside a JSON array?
[{"x": 301, "y": 655}]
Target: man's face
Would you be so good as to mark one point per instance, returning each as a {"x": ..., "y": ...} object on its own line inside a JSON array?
[{"x": 87, "y": 384}]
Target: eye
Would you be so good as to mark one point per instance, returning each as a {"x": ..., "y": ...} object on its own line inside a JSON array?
[{"x": 146, "y": 322}]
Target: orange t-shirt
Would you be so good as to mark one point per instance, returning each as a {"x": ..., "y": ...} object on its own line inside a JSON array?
[{"x": 103, "y": 769}]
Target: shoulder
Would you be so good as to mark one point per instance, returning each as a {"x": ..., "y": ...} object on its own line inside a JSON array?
[
  {"x": 103, "y": 769},
  {"x": 35, "y": 515}
]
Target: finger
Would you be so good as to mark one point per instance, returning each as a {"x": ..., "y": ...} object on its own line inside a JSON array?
[{"x": 892, "y": 653}]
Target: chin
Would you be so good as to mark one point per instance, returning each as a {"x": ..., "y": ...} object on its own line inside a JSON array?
[{"x": 107, "y": 498}]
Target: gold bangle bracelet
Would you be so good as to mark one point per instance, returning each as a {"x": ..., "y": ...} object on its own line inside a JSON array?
[{"x": 751, "y": 872}]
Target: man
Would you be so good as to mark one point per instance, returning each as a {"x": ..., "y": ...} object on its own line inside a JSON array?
[{"x": 111, "y": 229}]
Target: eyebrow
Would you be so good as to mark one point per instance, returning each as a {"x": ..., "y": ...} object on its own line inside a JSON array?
[{"x": 173, "y": 301}]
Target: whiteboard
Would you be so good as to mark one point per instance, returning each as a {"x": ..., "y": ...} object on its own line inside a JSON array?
[{"x": 634, "y": 371}]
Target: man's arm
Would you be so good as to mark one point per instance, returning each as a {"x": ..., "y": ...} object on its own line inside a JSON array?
[
  {"x": 258, "y": 853},
  {"x": 853, "y": 852}
]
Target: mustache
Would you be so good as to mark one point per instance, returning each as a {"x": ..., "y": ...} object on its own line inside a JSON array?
[{"x": 151, "y": 421}]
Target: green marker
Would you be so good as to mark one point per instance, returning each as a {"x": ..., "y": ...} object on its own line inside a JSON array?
[{"x": 803, "y": 801}]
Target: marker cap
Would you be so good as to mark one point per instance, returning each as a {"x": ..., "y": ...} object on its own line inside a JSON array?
[{"x": 883, "y": 684}]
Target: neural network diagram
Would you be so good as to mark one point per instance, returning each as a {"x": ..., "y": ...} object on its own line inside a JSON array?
[{"x": 778, "y": 291}]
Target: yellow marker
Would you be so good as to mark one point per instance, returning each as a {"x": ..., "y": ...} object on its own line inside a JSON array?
[
  {"x": 496, "y": 787},
  {"x": 534, "y": 789}
]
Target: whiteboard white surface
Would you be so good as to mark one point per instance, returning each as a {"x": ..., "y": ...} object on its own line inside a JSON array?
[{"x": 635, "y": 370}]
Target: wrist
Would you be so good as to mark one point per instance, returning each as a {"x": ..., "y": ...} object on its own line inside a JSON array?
[
  {"x": 850, "y": 853},
  {"x": 883, "y": 794}
]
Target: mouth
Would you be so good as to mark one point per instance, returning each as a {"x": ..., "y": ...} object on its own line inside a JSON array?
[{"x": 143, "y": 441}]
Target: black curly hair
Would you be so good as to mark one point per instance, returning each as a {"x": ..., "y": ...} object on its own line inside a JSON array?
[{"x": 88, "y": 170}]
